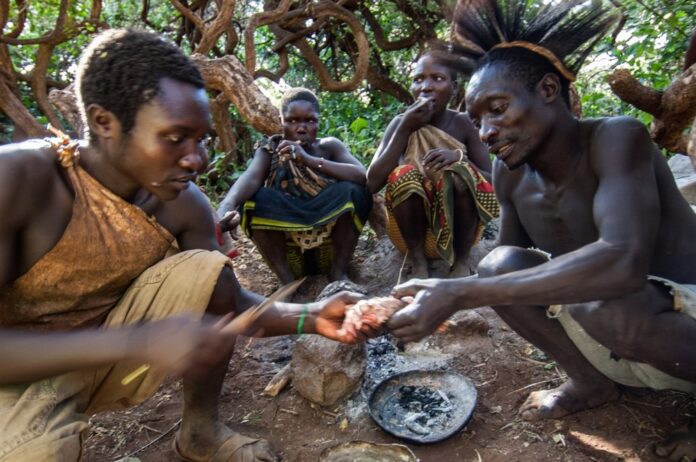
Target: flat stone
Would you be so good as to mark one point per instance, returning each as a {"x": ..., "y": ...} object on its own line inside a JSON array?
[{"x": 469, "y": 322}]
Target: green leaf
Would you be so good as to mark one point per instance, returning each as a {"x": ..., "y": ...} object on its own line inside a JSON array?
[{"x": 358, "y": 125}]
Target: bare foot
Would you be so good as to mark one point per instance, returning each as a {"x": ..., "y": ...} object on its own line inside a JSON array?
[
  {"x": 223, "y": 445},
  {"x": 680, "y": 446},
  {"x": 566, "y": 399}
]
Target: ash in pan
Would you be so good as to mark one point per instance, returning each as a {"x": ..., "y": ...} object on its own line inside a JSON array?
[{"x": 419, "y": 409}]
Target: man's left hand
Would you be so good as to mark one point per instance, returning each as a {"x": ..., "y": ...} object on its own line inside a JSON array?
[
  {"x": 435, "y": 300},
  {"x": 329, "y": 319}
]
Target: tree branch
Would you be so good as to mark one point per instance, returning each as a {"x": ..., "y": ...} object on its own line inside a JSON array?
[
  {"x": 327, "y": 9},
  {"x": 65, "y": 101},
  {"x": 256, "y": 21},
  {"x": 282, "y": 69},
  {"x": 212, "y": 32},
  {"x": 219, "y": 108},
  {"x": 15, "y": 110},
  {"x": 631, "y": 91},
  {"x": 228, "y": 75},
  {"x": 49, "y": 37},
  {"x": 38, "y": 84},
  {"x": 381, "y": 39},
  {"x": 21, "y": 20}
]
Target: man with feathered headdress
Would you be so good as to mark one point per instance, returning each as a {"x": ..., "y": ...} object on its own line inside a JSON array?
[{"x": 612, "y": 294}]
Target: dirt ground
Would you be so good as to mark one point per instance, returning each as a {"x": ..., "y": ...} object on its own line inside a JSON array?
[{"x": 503, "y": 367}]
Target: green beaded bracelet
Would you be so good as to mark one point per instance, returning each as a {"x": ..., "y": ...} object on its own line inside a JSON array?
[{"x": 300, "y": 323}]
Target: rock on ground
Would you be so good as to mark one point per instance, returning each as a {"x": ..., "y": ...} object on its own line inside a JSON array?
[{"x": 324, "y": 371}]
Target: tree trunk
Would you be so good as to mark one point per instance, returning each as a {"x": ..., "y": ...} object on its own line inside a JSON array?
[
  {"x": 227, "y": 137},
  {"x": 229, "y": 76},
  {"x": 15, "y": 110},
  {"x": 673, "y": 109},
  {"x": 66, "y": 102}
]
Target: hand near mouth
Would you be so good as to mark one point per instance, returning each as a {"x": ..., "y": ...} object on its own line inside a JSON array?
[
  {"x": 418, "y": 114},
  {"x": 291, "y": 150}
]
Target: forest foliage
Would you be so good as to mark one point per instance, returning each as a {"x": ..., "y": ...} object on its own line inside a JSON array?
[{"x": 319, "y": 45}]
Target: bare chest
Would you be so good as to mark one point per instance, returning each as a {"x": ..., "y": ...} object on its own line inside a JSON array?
[{"x": 557, "y": 218}]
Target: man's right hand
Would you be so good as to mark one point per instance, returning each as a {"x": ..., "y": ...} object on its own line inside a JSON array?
[
  {"x": 434, "y": 301},
  {"x": 182, "y": 345}
]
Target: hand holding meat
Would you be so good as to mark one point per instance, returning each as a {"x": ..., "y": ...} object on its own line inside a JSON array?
[{"x": 368, "y": 316}]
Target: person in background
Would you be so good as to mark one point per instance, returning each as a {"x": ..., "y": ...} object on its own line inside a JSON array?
[{"x": 300, "y": 193}]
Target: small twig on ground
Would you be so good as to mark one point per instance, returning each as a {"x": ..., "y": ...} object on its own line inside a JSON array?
[
  {"x": 641, "y": 403},
  {"x": 176, "y": 424},
  {"x": 530, "y": 360},
  {"x": 331, "y": 414},
  {"x": 542, "y": 382},
  {"x": 289, "y": 411},
  {"x": 488, "y": 382},
  {"x": 645, "y": 424},
  {"x": 151, "y": 428},
  {"x": 401, "y": 270},
  {"x": 478, "y": 456},
  {"x": 534, "y": 436}
]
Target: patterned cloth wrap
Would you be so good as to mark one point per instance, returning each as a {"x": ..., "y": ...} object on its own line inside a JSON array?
[
  {"x": 303, "y": 203},
  {"x": 437, "y": 192}
]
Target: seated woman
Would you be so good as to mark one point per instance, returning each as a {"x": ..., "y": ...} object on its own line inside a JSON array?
[
  {"x": 299, "y": 192},
  {"x": 437, "y": 174}
]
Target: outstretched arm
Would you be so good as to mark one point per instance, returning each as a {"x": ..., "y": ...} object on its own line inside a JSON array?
[
  {"x": 615, "y": 264},
  {"x": 196, "y": 231}
]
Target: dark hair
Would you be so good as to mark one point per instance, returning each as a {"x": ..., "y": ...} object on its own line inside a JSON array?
[
  {"x": 454, "y": 64},
  {"x": 568, "y": 29},
  {"x": 299, "y": 94},
  {"x": 121, "y": 70}
]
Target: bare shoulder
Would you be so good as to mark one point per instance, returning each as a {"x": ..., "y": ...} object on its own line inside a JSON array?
[
  {"x": 334, "y": 149},
  {"x": 331, "y": 143},
  {"x": 462, "y": 118},
  {"x": 33, "y": 158},
  {"x": 613, "y": 126},
  {"x": 28, "y": 171},
  {"x": 617, "y": 138}
]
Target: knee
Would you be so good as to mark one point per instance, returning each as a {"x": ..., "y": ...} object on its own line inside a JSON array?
[
  {"x": 506, "y": 259},
  {"x": 224, "y": 297}
]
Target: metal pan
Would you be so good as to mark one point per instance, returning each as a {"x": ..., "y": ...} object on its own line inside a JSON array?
[{"x": 423, "y": 406}]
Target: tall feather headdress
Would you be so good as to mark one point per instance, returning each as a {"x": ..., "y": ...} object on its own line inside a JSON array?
[{"x": 563, "y": 32}]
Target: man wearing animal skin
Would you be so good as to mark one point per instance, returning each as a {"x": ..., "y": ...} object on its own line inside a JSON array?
[{"x": 611, "y": 296}]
